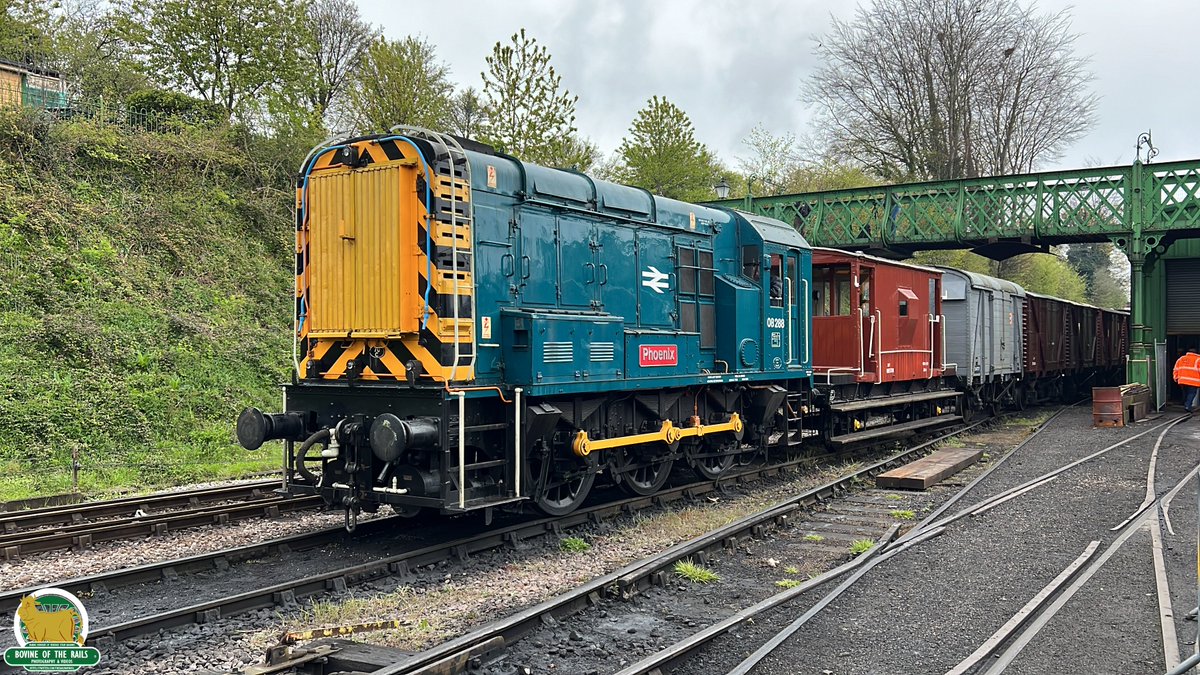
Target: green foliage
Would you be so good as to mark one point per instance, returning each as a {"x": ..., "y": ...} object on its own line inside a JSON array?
[
  {"x": 1094, "y": 262},
  {"x": 1049, "y": 274},
  {"x": 574, "y": 545},
  {"x": 1044, "y": 273},
  {"x": 228, "y": 52},
  {"x": 401, "y": 82},
  {"x": 142, "y": 304},
  {"x": 814, "y": 538},
  {"x": 91, "y": 57},
  {"x": 791, "y": 570},
  {"x": 788, "y": 583},
  {"x": 661, "y": 154},
  {"x": 696, "y": 573},
  {"x": 529, "y": 114},
  {"x": 894, "y": 498},
  {"x": 468, "y": 115},
  {"x": 902, "y": 514},
  {"x": 25, "y": 30},
  {"x": 334, "y": 41},
  {"x": 860, "y": 546},
  {"x": 159, "y": 104}
]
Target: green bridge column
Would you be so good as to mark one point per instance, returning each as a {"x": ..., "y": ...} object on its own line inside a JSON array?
[{"x": 1140, "y": 367}]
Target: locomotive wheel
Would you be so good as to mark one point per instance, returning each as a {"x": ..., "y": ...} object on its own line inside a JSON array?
[
  {"x": 710, "y": 459},
  {"x": 561, "y": 483},
  {"x": 638, "y": 474}
]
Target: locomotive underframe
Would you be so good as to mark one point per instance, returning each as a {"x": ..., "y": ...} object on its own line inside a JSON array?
[{"x": 348, "y": 472}]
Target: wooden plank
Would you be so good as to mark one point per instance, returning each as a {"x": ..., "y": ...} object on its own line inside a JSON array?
[{"x": 929, "y": 470}]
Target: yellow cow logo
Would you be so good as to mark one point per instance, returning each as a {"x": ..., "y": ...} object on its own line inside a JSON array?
[
  {"x": 51, "y": 626},
  {"x": 61, "y": 623}
]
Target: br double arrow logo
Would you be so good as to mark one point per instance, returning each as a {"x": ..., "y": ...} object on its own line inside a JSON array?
[{"x": 654, "y": 279}]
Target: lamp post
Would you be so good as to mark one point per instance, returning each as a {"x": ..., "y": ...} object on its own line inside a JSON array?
[
  {"x": 722, "y": 188},
  {"x": 750, "y": 192}
]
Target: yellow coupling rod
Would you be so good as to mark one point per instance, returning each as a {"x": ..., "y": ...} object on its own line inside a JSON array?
[{"x": 669, "y": 434}]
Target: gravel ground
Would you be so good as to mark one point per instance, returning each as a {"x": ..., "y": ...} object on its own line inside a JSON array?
[{"x": 926, "y": 610}]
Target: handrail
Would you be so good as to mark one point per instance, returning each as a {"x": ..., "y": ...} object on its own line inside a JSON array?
[
  {"x": 805, "y": 317},
  {"x": 879, "y": 359},
  {"x": 447, "y": 141},
  {"x": 788, "y": 320}
]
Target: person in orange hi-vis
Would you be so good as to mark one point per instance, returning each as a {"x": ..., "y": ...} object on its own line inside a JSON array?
[{"x": 1187, "y": 375}]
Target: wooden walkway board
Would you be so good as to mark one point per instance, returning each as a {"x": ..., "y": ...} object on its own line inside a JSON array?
[{"x": 930, "y": 469}]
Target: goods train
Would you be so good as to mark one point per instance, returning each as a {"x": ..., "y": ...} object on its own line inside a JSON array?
[{"x": 473, "y": 332}]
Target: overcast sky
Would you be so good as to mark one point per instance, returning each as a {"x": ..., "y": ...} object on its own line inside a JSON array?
[{"x": 733, "y": 64}]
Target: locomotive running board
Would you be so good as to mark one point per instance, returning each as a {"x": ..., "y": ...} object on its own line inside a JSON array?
[
  {"x": 877, "y": 432},
  {"x": 863, "y": 404}
]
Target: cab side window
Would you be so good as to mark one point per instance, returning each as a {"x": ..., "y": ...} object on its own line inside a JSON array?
[
  {"x": 776, "y": 280},
  {"x": 751, "y": 263}
]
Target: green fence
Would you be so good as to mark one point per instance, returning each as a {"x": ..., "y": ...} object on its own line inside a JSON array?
[{"x": 59, "y": 105}]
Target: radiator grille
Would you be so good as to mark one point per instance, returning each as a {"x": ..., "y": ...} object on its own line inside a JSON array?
[
  {"x": 602, "y": 351},
  {"x": 559, "y": 352}
]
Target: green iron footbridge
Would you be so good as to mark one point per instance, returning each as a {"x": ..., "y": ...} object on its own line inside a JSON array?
[{"x": 1142, "y": 208}]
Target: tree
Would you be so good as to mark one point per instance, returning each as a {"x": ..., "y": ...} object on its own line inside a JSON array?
[
  {"x": 336, "y": 42},
  {"x": 401, "y": 82},
  {"x": 938, "y": 89},
  {"x": 468, "y": 116},
  {"x": 228, "y": 52},
  {"x": 1094, "y": 262},
  {"x": 528, "y": 112},
  {"x": 777, "y": 165},
  {"x": 23, "y": 31},
  {"x": 1044, "y": 273},
  {"x": 90, "y": 54},
  {"x": 661, "y": 154},
  {"x": 1049, "y": 274}
]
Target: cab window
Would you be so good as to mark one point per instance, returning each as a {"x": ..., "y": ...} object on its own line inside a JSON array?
[
  {"x": 775, "y": 283},
  {"x": 751, "y": 263}
]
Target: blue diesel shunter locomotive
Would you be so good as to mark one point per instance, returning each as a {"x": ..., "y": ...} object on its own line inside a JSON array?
[{"x": 473, "y": 331}]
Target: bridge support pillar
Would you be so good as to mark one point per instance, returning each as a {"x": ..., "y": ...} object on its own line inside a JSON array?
[
  {"x": 1145, "y": 300},
  {"x": 1140, "y": 366}
]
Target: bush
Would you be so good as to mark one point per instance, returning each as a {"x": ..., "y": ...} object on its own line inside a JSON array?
[{"x": 149, "y": 106}]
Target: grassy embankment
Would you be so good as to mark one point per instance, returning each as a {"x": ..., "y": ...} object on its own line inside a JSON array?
[{"x": 144, "y": 283}]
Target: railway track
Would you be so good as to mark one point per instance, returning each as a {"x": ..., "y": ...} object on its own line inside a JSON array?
[
  {"x": 288, "y": 592},
  {"x": 625, "y": 582},
  {"x": 82, "y": 525}
]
